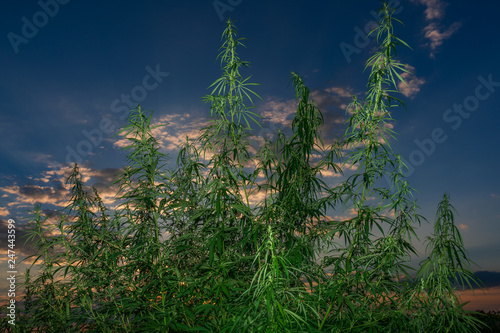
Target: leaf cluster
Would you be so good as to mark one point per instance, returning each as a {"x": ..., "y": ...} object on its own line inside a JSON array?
[{"x": 190, "y": 250}]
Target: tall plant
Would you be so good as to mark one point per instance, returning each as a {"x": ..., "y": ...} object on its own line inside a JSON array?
[{"x": 188, "y": 251}]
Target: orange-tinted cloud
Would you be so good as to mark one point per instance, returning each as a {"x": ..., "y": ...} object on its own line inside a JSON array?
[
  {"x": 487, "y": 301},
  {"x": 411, "y": 87},
  {"x": 4, "y": 211},
  {"x": 435, "y": 8}
]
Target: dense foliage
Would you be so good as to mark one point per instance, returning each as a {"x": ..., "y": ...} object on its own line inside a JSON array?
[{"x": 188, "y": 251}]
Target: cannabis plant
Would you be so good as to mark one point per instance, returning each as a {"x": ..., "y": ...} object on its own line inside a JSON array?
[{"x": 188, "y": 249}]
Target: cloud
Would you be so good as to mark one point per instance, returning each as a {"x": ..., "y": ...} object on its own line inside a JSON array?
[
  {"x": 102, "y": 179},
  {"x": 435, "y": 32},
  {"x": 255, "y": 197},
  {"x": 99, "y": 178},
  {"x": 278, "y": 112},
  {"x": 437, "y": 35},
  {"x": 50, "y": 188},
  {"x": 55, "y": 194},
  {"x": 340, "y": 91},
  {"x": 435, "y": 8},
  {"x": 178, "y": 126},
  {"x": 4, "y": 211},
  {"x": 333, "y": 101},
  {"x": 412, "y": 84},
  {"x": 277, "y": 115},
  {"x": 329, "y": 173}
]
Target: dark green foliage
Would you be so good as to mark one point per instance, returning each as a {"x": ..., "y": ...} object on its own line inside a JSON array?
[{"x": 186, "y": 251}]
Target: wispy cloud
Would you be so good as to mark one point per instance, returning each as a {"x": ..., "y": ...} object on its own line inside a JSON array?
[
  {"x": 178, "y": 126},
  {"x": 4, "y": 211},
  {"x": 435, "y": 8},
  {"x": 277, "y": 113},
  {"x": 435, "y": 32},
  {"x": 329, "y": 173},
  {"x": 50, "y": 188},
  {"x": 412, "y": 84},
  {"x": 54, "y": 194},
  {"x": 438, "y": 34}
]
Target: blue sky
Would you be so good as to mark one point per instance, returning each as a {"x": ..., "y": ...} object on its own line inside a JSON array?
[{"x": 70, "y": 69}]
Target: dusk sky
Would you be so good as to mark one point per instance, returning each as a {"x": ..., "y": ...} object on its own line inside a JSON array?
[{"x": 72, "y": 69}]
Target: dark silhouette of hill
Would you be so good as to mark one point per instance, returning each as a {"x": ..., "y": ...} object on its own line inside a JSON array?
[{"x": 490, "y": 279}]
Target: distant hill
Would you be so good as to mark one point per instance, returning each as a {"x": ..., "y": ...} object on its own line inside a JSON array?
[{"x": 490, "y": 279}]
